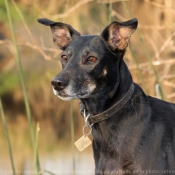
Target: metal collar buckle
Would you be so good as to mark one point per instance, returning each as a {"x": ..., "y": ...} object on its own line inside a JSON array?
[{"x": 87, "y": 124}]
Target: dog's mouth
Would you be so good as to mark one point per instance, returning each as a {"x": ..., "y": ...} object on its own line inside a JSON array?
[{"x": 64, "y": 96}]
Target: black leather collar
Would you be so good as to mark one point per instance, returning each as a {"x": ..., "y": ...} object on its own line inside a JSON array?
[{"x": 116, "y": 107}]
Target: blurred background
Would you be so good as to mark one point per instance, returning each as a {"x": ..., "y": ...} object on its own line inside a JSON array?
[{"x": 150, "y": 58}]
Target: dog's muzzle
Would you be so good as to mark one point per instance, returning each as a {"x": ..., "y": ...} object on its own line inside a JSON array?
[{"x": 68, "y": 90}]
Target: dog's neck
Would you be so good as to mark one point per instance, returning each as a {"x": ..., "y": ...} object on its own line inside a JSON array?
[{"x": 97, "y": 105}]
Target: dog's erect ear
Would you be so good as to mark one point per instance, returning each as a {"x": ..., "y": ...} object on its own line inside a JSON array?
[
  {"x": 62, "y": 33},
  {"x": 117, "y": 34}
]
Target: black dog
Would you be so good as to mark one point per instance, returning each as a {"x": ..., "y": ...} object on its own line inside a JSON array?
[{"x": 133, "y": 133}]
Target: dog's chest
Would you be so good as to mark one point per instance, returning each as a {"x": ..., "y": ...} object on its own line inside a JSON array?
[
  {"x": 111, "y": 162},
  {"x": 113, "y": 151}
]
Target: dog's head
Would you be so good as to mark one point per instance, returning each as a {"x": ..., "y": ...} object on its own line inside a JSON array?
[{"x": 89, "y": 63}]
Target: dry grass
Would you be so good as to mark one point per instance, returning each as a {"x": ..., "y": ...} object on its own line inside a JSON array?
[
  {"x": 156, "y": 27},
  {"x": 151, "y": 54}
]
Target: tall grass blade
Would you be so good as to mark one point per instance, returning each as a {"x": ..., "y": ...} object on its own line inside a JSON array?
[
  {"x": 150, "y": 62},
  {"x": 138, "y": 69},
  {"x": 126, "y": 8},
  {"x": 48, "y": 172},
  {"x": 158, "y": 91},
  {"x": 17, "y": 55},
  {"x": 110, "y": 11},
  {"x": 37, "y": 164},
  {"x": 20, "y": 71},
  {"x": 72, "y": 137},
  {"x": 7, "y": 137}
]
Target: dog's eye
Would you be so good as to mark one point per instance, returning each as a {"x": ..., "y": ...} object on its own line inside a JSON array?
[
  {"x": 64, "y": 57},
  {"x": 92, "y": 59}
]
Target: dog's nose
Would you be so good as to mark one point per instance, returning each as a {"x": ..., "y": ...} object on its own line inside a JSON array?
[{"x": 59, "y": 83}]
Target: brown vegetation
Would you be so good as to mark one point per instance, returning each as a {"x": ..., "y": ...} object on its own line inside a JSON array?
[{"x": 40, "y": 58}]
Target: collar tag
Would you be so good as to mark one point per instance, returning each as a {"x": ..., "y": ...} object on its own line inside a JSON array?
[{"x": 84, "y": 141}]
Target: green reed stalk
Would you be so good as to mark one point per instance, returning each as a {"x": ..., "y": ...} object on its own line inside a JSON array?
[
  {"x": 37, "y": 164},
  {"x": 48, "y": 172},
  {"x": 146, "y": 52},
  {"x": 152, "y": 66},
  {"x": 26, "y": 101},
  {"x": 7, "y": 137},
  {"x": 72, "y": 137},
  {"x": 138, "y": 69},
  {"x": 158, "y": 91},
  {"x": 110, "y": 11}
]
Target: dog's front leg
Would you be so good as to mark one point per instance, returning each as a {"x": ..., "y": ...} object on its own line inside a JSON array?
[{"x": 96, "y": 158}]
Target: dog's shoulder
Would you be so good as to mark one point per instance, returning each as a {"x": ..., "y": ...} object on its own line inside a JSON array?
[{"x": 162, "y": 112}]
